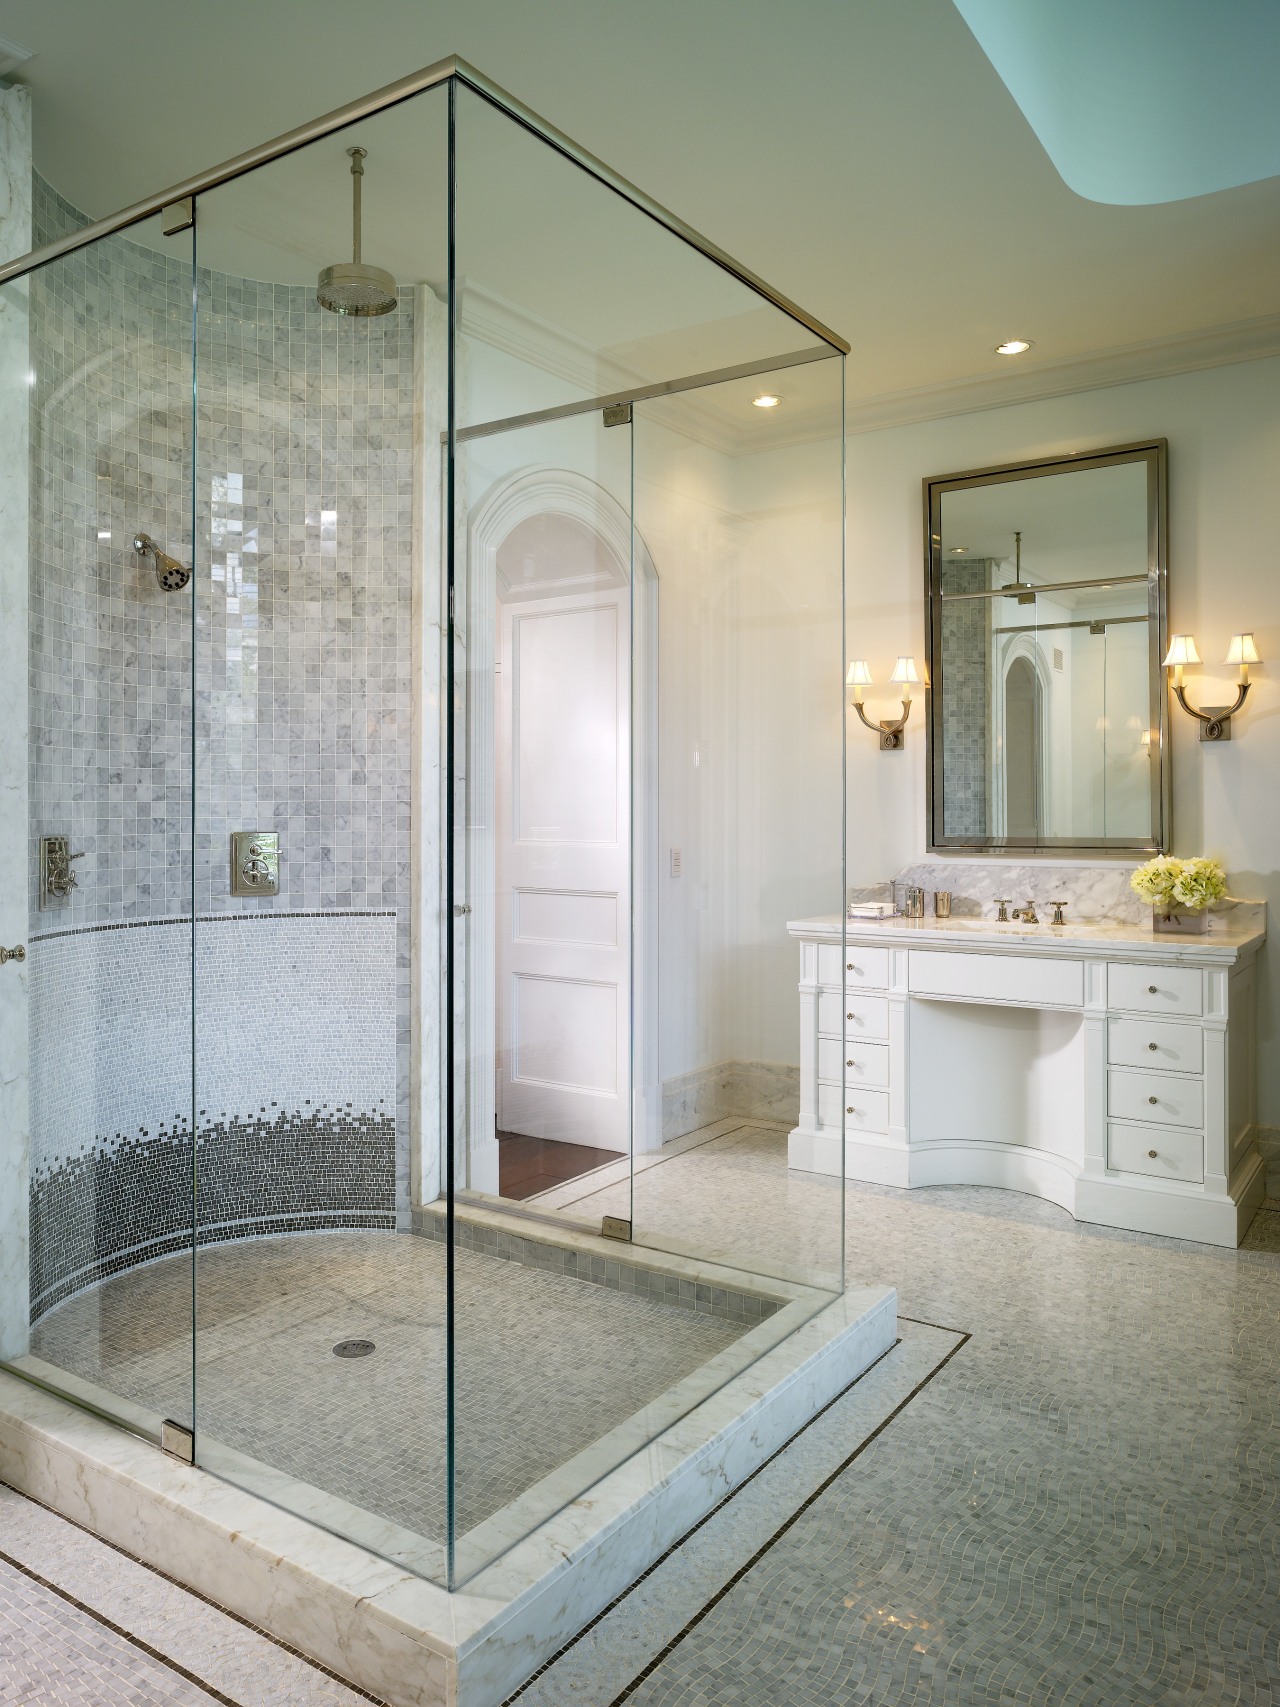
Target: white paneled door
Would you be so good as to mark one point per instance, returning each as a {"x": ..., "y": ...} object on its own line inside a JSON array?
[{"x": 563, "y": 857}]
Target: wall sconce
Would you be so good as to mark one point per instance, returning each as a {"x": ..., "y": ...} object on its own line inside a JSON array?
[
  {"x": 890, "y": 730},
  {"x": 1214, "y": 720}
]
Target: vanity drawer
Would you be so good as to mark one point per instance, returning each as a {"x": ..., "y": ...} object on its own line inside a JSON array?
[
  {"x": 1026, "y": 980},
  {"x": 862, "y": 1111},
  {"x": 861, "y": 968},
  {"x": 1155, "y": 1096},
  {"x": 1154, "y": 989},
  {"x": 1161, "y": 1151},
  {"x": 856, "y": 1016},
  {"x": 1154, "y": 1043},
  {"x": 861, "y": 1063}
]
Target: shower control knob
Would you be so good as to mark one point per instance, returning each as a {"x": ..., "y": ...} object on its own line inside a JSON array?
[
  {"x": 256, "y": 871},
  {"x": 8, "y": 954}
]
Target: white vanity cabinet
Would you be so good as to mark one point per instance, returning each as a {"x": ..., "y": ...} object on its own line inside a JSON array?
[{"x": 1105, "y": 1068}]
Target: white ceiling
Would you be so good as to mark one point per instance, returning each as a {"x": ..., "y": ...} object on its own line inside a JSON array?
[{"x": 862, "y": 155}]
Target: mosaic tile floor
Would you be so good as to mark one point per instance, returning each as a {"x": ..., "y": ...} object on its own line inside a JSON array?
[
  {"x": 1082, "y": 1507},
  {"x": 1076, "y": 1505},
  {"x": 537, "y": 1376},
  {"x": 82, "y": 1625}
]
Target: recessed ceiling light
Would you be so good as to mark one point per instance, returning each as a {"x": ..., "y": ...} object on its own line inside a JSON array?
[
  {"x": 767, "y": 400},
  {"x": 1013, "y": 347},
  {"x": 958, "y": 550}
]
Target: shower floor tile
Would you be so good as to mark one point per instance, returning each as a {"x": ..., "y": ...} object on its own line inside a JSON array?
[{"x": 545, "y": 1364}]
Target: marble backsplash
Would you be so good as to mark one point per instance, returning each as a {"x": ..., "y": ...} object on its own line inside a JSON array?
[{"x": 1093, "y": 893}]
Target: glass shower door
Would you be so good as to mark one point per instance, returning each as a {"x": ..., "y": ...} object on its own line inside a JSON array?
[{"x": 96, "y": 1214}]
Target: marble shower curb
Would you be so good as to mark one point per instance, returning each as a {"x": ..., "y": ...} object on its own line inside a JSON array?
[{"x": 395, "y": 1634}]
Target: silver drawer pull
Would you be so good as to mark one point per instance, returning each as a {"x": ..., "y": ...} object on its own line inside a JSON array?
[
  {"x": 849, "y": 1063},
  {"x": 1153, "y": 1101},
  {"x": 1153, "y": 1046},
  {"x": 848, "y": 1016},
  {"x": 1152, "y": 1154},
  {"x": 1151, "y": 990},
  {"x": 848, "y": 1111}
]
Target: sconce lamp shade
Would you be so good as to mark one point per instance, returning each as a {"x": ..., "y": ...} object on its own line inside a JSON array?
[
  {"x": 1242, "y": 650},
  {"x": 904, "y": 671},
  {"x": 859, "y": 675},
  {"x": 1182, "y": 650}
]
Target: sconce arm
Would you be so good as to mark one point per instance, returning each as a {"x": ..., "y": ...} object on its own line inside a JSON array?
[
  {"x": 887, "y": 726},
  {"x": 1214, "y": 722}
]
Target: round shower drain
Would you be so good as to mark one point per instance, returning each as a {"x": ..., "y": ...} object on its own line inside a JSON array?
[{"x": 353, "y": 1348}]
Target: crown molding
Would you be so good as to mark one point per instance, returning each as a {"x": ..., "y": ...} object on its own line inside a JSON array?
[{"x": 1216, "y": 346}]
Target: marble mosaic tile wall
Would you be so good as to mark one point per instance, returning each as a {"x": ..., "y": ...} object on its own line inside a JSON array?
[
  {"x": 966, "y": 708},
  {"x": 287, "y": 683}
]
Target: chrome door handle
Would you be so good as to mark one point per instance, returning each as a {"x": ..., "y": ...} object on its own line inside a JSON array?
[{"x": 8, "y": 954}]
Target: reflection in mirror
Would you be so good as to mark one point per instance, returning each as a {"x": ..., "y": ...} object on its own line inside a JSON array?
[{"x": 1045, "y": 585}]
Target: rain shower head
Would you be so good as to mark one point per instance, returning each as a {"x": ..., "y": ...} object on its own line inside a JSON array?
[
  {"x": 172, "y": 575},
  {"x": 350, "y": 287}
]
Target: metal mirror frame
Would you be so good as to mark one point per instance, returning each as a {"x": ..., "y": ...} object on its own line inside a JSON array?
[{"x": 1154, "y": 454}]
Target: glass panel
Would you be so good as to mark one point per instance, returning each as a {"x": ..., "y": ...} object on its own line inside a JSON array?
[
  {"x": 320, "y": 1342},
  {"x": 566, "y": 291},
  {"x": 598, "y": 650},
  {"x": 740, "y": 507},
  {"x": 96, "y": 357}
]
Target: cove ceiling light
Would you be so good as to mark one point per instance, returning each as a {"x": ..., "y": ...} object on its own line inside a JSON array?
[{"x": 1143, "y": 101}]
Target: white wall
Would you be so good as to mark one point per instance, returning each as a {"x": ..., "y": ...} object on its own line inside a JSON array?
[{"x": 1223, "y": 427}]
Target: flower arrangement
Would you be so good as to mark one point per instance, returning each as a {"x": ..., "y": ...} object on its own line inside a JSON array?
[{"x": 1179, "y": 885}]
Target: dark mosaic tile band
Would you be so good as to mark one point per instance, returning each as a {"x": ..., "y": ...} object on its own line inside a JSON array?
[
  {"x": 655, "y": 1285},
  {"x": 301, "y": 1170}
]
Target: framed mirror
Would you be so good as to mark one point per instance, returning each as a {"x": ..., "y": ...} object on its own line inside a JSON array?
[{"x": 1045, "y": 603}]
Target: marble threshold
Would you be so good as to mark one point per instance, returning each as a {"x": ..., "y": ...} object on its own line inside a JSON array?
[{"x": 389, "y": 1630}]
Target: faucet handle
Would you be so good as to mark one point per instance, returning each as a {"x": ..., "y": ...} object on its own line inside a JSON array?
[
  {"x": 1057, "y": 912},
  {"x": 1002, "y": 917}
]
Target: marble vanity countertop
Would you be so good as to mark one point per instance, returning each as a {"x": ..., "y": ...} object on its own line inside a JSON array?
[{"x": 1233, "y": 933}]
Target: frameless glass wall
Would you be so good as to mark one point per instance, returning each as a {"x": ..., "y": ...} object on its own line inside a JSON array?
[
  {"x": 447, "y": 765},
  {"x": 97, "y": 390}
]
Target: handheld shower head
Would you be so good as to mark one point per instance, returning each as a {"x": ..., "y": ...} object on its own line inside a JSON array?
[
  {"x": 171, "y": 574},
  {"x": 351, "y": 287}
]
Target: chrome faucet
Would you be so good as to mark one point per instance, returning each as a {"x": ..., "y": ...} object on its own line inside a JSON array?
[{"x": 1027, "y": 914}]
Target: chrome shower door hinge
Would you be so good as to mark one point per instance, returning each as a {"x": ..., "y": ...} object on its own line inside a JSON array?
[
  {"x": 178, "y": 1441},
  {"x": 616, "y": 1227},
  {"x": 618, "y": 415}
]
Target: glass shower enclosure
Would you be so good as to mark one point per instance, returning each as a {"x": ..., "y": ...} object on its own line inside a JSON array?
[{"x": 433, "y": 716}]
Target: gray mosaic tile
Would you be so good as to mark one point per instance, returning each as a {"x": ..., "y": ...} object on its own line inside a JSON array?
[
  {"x": 1082, "y": 1507},
  {"x": 537, "y": 1372}
]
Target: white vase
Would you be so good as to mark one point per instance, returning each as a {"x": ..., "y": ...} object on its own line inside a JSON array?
[{"x": 1173, "y": 920}]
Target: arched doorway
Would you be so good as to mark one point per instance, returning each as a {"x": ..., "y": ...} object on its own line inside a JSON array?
[{"x": 561, "y": 963}]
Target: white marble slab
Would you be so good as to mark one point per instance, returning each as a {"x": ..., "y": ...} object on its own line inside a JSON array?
[
  {"x": 1237, "y": 930},
  {"x": 406, "y": 1639}
]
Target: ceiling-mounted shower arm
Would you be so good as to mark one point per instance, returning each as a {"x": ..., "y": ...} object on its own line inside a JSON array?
[
  {"x": 357, "y": 173},
  {"x": 172, "y": 575}
]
